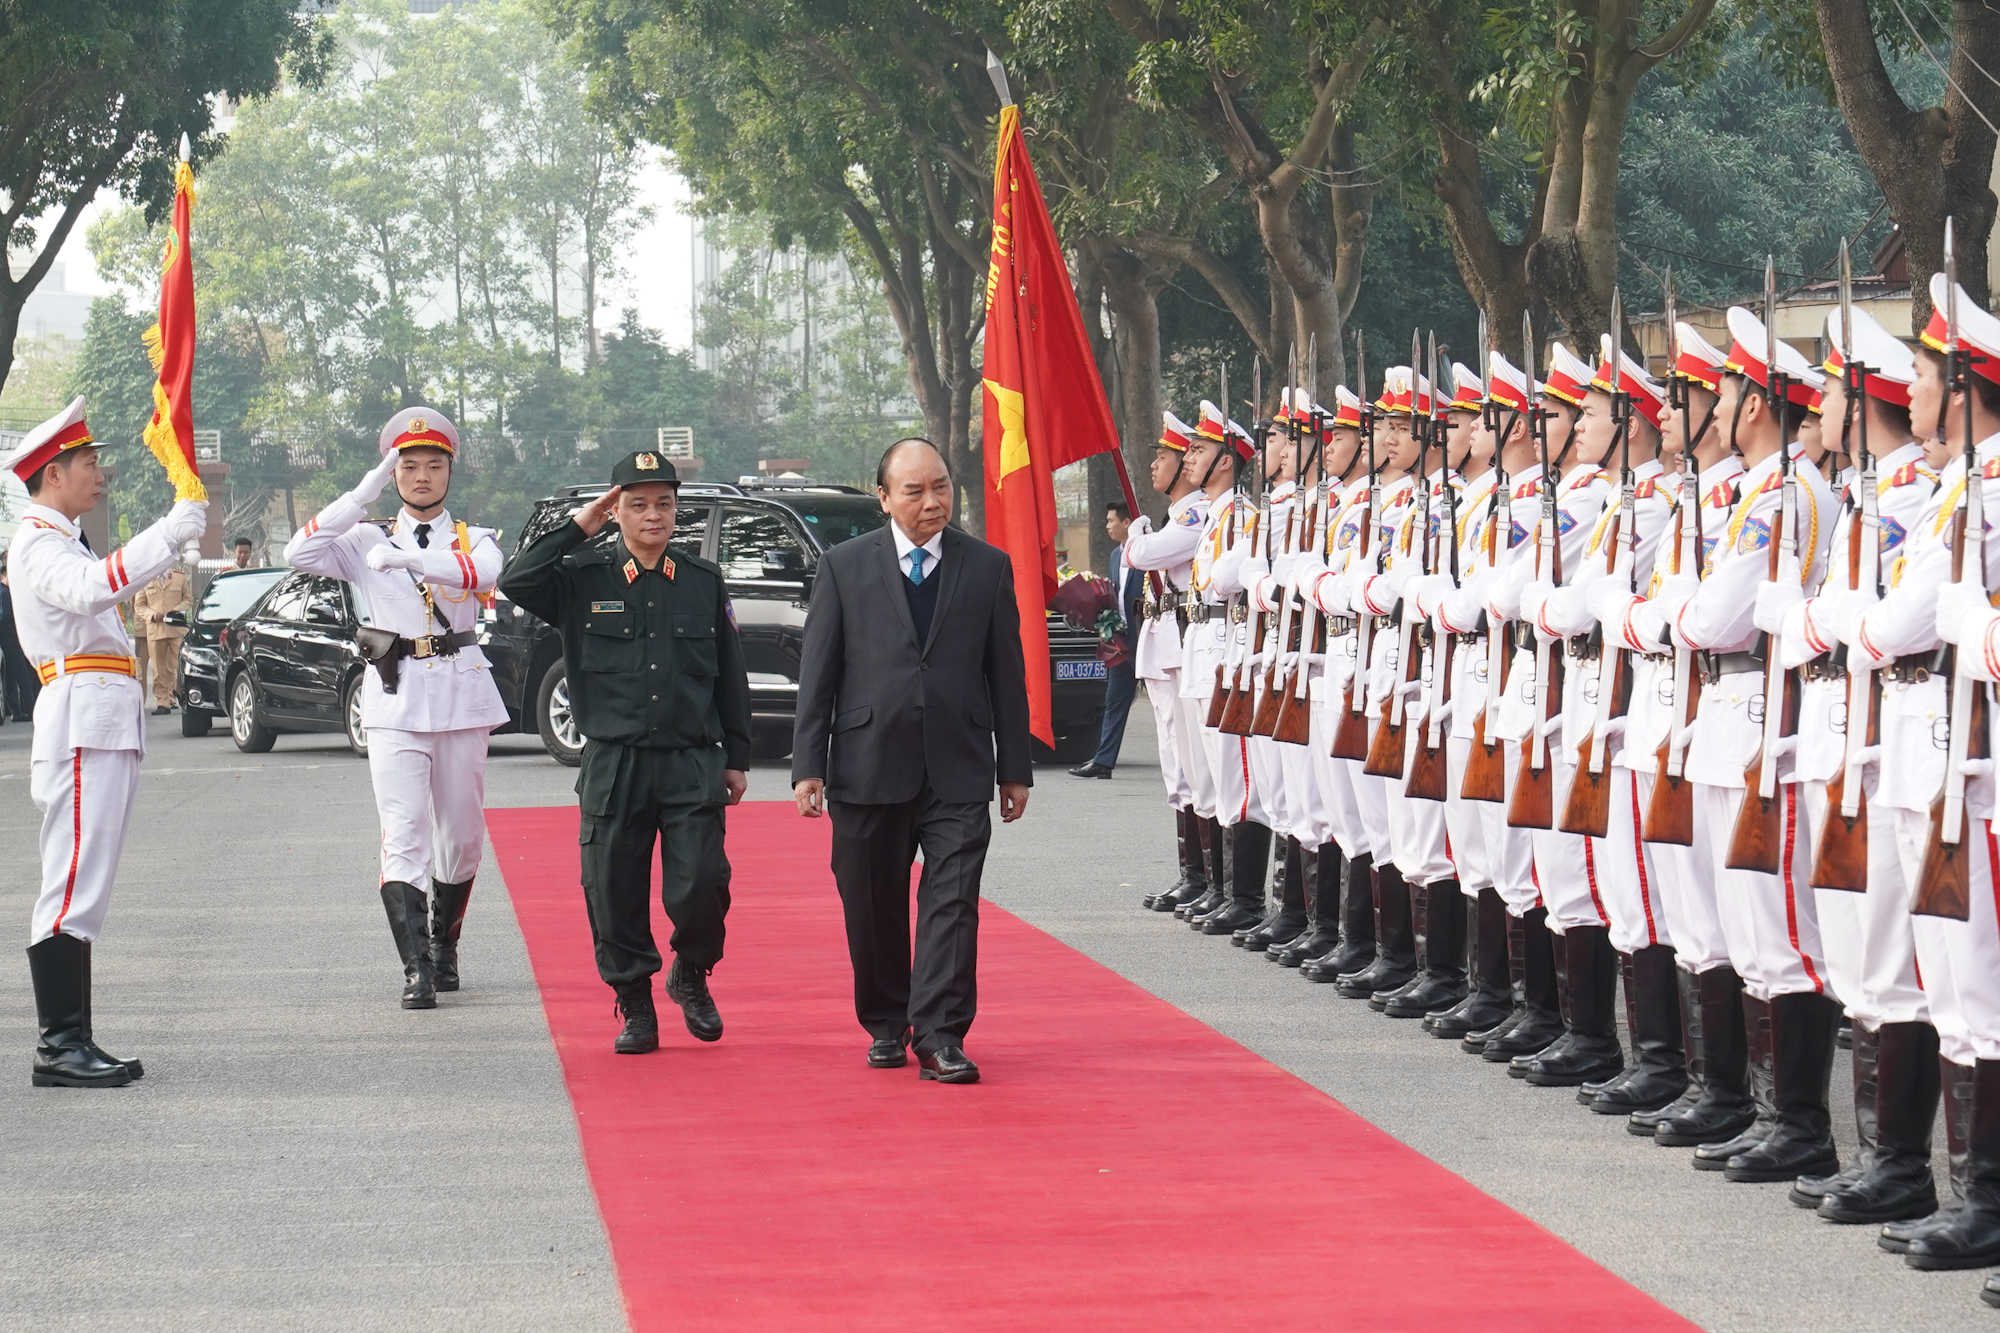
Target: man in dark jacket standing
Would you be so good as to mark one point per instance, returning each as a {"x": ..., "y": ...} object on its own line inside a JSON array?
[
  {"x": 912, "y": 700},
  {"x": 655, "y": 672}
]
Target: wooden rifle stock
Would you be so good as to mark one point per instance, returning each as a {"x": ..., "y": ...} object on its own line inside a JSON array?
[
  {"x": 1350, "y": 737},
  {"x": 1486, "y": 767},
  {"x": 1946, "y": 886},
  {"x": 1842, "y": 859},
  {"x": 1293, "y": 724},
  {"x": 1758, "y": 841},
  {"x": 1237, "y": 711},
  {"x": 1385, "y": 749},
  {"x": 1533, "y": 803},
  {"x": 1219, "y": 700},
  {"x": 1670, "y": 811},
  {"x": 1588, "y": 809},
  {"x": 1427, "y": 779}
]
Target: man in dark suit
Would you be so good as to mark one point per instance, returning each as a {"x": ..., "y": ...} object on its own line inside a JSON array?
[
  {"x": 1120, "y": 681},
  {"x": 912, "y": 700}
]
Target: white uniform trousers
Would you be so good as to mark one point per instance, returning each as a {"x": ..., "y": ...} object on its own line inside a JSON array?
[
  {"x": 1165, "y": 697},
  {"x": 1464, "y": 824},
  {"x": 1267, "y": 778},
  {"x": 1628, "y": 874},
  {"x": 1871, "y": 951},
  {"x": 1510, "y": 851},
  {"x": 1334, "y": 777},
  {"x": 1687, "y": 887},
  {"x": 1306, "y": 787},
  {"x": 1566, "y": 863},
  {"x": 1191, "y": 745},
  {"x": 1237, "y": 798},
  {"x": 429, "y": 790},
  {"x": 85, "y": 797},
  {"x": 1418, "y": 844},
  {"x": 1769, "y": 922},
  {"x": 1960, "y": 960}
]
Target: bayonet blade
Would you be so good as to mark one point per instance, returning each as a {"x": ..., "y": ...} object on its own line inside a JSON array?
[
  {"x": 1667, "y": 288},
  {"x": 1950, "y": 292},
  {"x": 1846, "y": 303}
]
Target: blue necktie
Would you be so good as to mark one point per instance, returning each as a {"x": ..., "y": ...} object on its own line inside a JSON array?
[{"x": 917, "y": 564}]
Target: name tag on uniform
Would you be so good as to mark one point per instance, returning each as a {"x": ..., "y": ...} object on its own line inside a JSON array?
[{"x": 602, "y": 607}]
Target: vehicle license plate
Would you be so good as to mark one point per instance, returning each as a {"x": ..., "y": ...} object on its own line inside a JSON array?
[{"x": 1091, "y": 670}]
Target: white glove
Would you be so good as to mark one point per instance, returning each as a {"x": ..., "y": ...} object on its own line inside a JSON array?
[
  {"x": 1402, "y": 574},
  {"x": 1284, "y": 567},
  {"x": 387, "y": 555},
  {"x": 1140, "y": 527},
  {"x": 1532, "y": 598},
  {"x": 1608, "y": 600},
  {"x": 1430, "y": 590},
  {"x": 1836, "y": 615},
  {"x": 1675, "y": 591},
  {"x": 1955, "y": 604},
  {"x": 370, "y": 487},
  {"x": 1335, "y": 595},
  {"x": 185, "y": 522},
  {"x": 1254, "y": 569},
  {"x": 1774, "y": 602}
]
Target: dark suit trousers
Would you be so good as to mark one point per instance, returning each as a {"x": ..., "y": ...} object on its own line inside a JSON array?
[{"x": 874, "y": 847}]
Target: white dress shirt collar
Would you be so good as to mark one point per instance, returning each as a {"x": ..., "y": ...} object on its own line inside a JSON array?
[
  {"x": 406, "y": 524},
  {"x": 933, "y": 549}
]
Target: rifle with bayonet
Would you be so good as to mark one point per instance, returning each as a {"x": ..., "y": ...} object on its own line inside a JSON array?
[
  {"x": 1266, "y": 719},
  {"x": 1428, "y": 778},
  {"x": 1486, "y": 766},
  {"x": 1387, "y": 752},
  {"x": 1757, "y": 842},
  {"x": 1241, "y": 710},
  {"x": 1293, "y": 723},
  {"x": 1945, "y": 887},
  {"x": 1218, "y": 702},
  {"x": 1670, "y": 813},
  {"x": 1842, "y": 862},
  {"x": 1350, "y": 737},
  {"x": 1533, "y": 802},
  {"x": 1588, "y": 809}
]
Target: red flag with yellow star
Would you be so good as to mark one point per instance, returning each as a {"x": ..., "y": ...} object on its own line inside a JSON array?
[
  {"x": 1044, "y": 406},
  {"x": 170, "y": 344}
]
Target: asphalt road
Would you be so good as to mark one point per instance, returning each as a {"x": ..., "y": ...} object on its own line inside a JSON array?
[{"x": 304, "y": 1154}]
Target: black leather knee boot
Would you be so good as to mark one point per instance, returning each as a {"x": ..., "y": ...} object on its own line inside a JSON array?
[
  {"x": 409, "y": 922},
  {"x": 1725, "y": 1109},
  {"x": 1897, "y": 1182}
]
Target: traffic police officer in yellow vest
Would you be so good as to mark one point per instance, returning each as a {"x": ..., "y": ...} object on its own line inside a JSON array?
[
  {"x": 90, "y": 732},
  {"x": 428, "y": 699},
  {"x": 656, "y": 677}
]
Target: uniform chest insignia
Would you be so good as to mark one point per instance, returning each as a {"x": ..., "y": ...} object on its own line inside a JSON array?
[
  {"x": 1892, "y": 533},
  {"x": 1193, "y": 518},
  {"x": 631, "y": 570},
  {"x": 667, "y": 567},
  {"x": 605, "y": 608},
  {"x": 1516, "y": 534},
  {"x": 1756, "y": 535},
  {"x": 729, "y": 609},
  {"x": 1565, "y": 521},
  {"x": 1708, "y": 548}
]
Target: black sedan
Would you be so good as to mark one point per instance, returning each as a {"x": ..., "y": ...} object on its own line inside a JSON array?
[
  {"x": 289, "y": 663},
  {"x": 199, "y": 677}
]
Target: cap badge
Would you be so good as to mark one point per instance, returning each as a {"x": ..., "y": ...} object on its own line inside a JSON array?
[
  {"x": 419, "y": 425},
  {"x": 647, "y": 463}
]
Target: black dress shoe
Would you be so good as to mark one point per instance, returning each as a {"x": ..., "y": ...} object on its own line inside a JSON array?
[
  {"x": 1230, "y": 919},
  {"x": 641, "y": 1035},
  {"x": 688, "y": 988},
  {"x": 947, "y": 1064},
  {"x": 1093, "y": 769},
  {"x": 889, "y": 1052}
]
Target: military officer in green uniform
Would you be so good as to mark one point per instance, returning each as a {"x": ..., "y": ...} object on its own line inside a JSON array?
[{"x": 656, "y": 681}]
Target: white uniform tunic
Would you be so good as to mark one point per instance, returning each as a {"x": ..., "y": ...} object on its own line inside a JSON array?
[
  {"x": 1168, "y": 555},
  {"x": 90, "y": 731},
  {"x": 427, "y": 741},
  {"x": 1321, "y": 581}
]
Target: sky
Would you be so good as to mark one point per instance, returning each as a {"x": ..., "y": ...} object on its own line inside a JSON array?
[{"x": 659, "y": 278}]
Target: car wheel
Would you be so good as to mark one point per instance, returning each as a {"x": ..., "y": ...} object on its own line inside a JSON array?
[
  {"x": 196, "y": 723},
  {"x": 250, "y": 735},
  {"x": 350, "y": 712},
  {"x": 556, "y": 719}
]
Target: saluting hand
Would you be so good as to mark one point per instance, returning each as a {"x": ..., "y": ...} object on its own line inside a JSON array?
[{"x": 593, "y": 516}]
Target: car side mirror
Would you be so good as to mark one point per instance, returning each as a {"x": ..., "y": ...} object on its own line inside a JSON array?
[
  {"x": 178, "y": 619},
  {"x": 784, "y": 563},
  {"x": 320, "y": 614}
]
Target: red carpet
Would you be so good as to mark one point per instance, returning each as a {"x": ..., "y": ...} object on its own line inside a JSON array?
[{"x": 772, "y": 1181}]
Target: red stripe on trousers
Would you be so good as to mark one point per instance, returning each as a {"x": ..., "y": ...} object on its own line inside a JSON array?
[
  {"x": 1590, "y": 875},
  {"x": 75, "y": 834},
  {"x": 1791, "y": 887},
  {"x": 1243, "y": 750},
  {"x": 1639, "y": 856}
]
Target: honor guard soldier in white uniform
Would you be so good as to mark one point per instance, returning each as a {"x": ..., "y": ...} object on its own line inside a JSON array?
[
  {"x": 90, "y": 732},
  {"x": 428, "y": 698},
  {"x": 1167, "y": 557}
]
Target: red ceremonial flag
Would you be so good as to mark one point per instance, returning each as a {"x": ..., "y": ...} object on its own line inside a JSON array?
[
  {"x": 1044, "y": 406},
  {"x": 170, "y": 344}
]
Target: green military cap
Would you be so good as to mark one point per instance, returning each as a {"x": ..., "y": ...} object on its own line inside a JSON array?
[{"x": 646, "y": 465}]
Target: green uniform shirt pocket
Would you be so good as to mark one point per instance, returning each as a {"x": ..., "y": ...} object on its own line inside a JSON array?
[
  {"x": 608, "y": 641},
  {"x": 694, "y": 642}
]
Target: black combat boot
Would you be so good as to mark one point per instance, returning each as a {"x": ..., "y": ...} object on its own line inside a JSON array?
[
  {"x": 1420, "y": 900},
  {"x": 67, "y": 1056},
  {"x": 1322, "y": 932},
  {"x": 1249, "y": 867},
  {"x": 1591, "y": 1089},
  {"x": 1354, "y": 906},
  {"x": 1441, "y": 985},
  {"x": 687, "y": 986},
  {"x": 1955, "y": 1086},
  {"x": 1645, "y": 1124},
  {"x": 1898, "y": 1183},
  {"x": 1517, "y": 981},
  {"x": 1287, "y": 920},
  {"x": 410, "y": 923},
  {"x": 1972, "y": 1238},
  {"x": 1592, "y": 1051},
  {"x": 447, "y": 922},
  {"x": 1800, "y": 1141},
  {"x": 641, "y": 1034},
  {"x": 1653, "y": 1008},
  {"x": 1215, "y": 892},
  {"x": 1395, "y": 940},
  {"x": 1489, "y": 994},
  {"x": 1866, "y": 1044},
  {"x": 1760, "y": 1061},
  {"x": 1163, "y": 899},
  {"x": 136, "y": 1068},
  {"x": 1726, "y": 1108},
  {"x": 1541, "y": 996}
]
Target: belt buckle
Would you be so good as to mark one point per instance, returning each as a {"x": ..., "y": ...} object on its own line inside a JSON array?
[{"x": 424, "y": 646}]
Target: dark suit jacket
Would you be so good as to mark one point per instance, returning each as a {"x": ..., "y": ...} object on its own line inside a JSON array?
[{"x": 878, "y": 711}]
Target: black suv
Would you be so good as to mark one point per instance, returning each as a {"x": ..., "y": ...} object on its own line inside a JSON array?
[{"x": 767, "y": 537}]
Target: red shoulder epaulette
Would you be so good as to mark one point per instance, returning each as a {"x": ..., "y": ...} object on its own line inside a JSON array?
[
  {"x": 1719, "y": 496},
  {"x": 1904, "y": 475},
  {"x": 1646, "y": 489},
  {"x": 1527, "y": 490},
  {"x": 1991, "y": 470}
]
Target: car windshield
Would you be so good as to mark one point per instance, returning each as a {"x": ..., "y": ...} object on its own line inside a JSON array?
[
  {"x": 833, "y": 519},
  {"x": 228, "y": 598}
]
